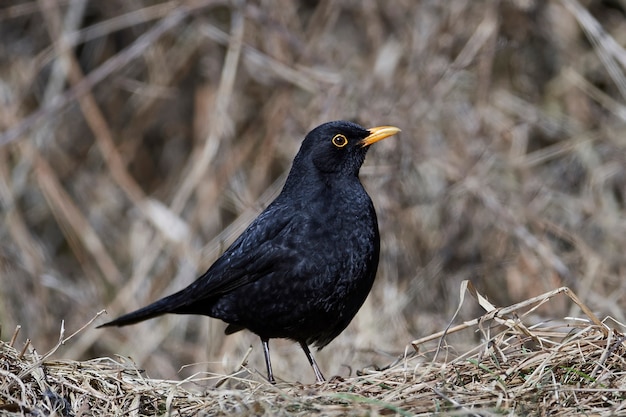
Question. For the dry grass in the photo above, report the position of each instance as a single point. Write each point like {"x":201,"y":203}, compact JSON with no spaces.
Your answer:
{"x":138,"y":138}
{"x":563,"y":368}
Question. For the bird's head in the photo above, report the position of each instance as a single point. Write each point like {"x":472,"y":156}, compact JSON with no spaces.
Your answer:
{"x":339,"y":147}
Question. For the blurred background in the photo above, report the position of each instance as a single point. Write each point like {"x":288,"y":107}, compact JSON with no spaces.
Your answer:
{"x":139,"y":138}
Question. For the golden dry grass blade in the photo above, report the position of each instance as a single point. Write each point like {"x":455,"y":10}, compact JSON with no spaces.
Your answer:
{"x":500,"y":314}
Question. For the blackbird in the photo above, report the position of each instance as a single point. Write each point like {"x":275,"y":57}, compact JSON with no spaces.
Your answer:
{"x":305,"y":265}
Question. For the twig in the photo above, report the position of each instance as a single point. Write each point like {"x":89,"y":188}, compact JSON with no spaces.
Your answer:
{"x":14,"y":337}
{"x":95,"y":77}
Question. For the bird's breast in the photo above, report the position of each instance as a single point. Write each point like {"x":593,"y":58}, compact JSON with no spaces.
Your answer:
{"x":345,"y":238}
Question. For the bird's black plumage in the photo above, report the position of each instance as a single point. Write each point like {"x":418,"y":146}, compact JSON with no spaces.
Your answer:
{"x":305,"y":265}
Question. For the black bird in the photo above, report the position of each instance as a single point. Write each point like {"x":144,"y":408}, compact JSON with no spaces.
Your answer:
{"x":305,"y":265}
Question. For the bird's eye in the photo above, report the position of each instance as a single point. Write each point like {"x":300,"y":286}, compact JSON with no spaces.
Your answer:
{"x":340,"y":141}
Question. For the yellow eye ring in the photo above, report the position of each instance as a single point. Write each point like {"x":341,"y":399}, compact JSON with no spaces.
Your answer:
{"x":340,"y":141}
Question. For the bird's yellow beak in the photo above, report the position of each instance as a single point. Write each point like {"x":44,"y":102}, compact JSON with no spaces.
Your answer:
{"x":379,"y":133}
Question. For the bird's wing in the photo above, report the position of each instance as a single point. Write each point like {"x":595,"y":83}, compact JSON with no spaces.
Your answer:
{"x":261,"y":248}
{"x":265,"y":245}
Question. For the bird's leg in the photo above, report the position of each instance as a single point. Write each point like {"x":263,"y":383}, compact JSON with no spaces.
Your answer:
{"x":268,"y":363}
{"x":316,"y":369}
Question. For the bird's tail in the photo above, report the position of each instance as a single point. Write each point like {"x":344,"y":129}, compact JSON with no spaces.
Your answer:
{"x":169,"y":304}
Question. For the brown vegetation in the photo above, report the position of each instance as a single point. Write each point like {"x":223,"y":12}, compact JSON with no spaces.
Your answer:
{"x":139,"y":138}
